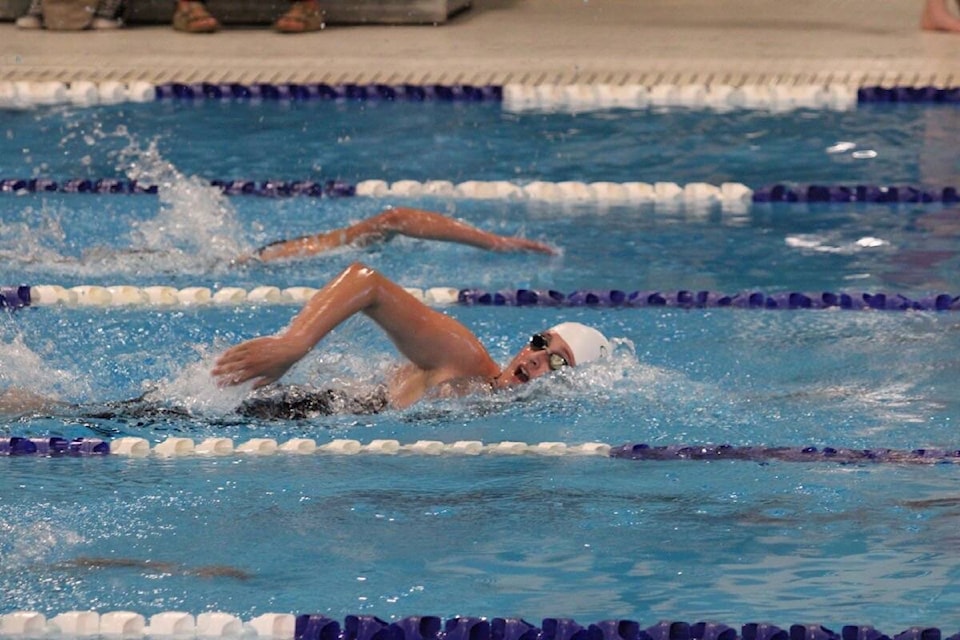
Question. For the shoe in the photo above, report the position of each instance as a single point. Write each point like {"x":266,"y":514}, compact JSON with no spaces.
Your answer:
{"x":192,"y":16}
{"x":29,"y":22}
{"x":105,"y":24}
{"x":303,"y":16}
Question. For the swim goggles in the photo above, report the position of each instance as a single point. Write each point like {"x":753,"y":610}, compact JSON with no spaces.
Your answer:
{"x":540,"y":342}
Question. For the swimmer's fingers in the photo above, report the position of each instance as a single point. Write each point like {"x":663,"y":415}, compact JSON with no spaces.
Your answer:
{"x":263,"y":360}
{"x":541,"y":247}
{"x":523,"y":244}
{"x":245,"y":259}
{"x":506,"y":243}
{"x":231,"y":373}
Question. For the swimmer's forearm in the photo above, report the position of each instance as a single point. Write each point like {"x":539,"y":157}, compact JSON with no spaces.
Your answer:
{"x":427,"y":225}
{"x":414,"y":223}
{"x":303,"y":246}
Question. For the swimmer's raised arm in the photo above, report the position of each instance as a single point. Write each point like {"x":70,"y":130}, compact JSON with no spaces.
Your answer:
{"x":438,"y":346}
{"x":415,"y":223}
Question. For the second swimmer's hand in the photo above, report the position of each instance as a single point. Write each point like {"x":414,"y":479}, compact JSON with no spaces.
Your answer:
{"x":263,"y":360}
{"x":522,"y":244}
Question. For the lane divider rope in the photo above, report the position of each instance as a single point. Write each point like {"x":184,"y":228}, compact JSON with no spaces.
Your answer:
{"x":286,"y":626}
{"x":20,"y":296}
{"x":513,"y":96}
{"x":565,"y":191}
{"x":175,"y":446}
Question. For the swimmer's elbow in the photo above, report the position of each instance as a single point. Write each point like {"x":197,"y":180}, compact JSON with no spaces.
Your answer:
{"x":360,"y":277}
{"x":359,"y":270}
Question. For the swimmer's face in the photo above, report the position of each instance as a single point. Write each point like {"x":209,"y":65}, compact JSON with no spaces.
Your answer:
{"x":546,"y":352}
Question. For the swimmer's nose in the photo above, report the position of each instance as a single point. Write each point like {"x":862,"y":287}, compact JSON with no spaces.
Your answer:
{"x":537,"y":363}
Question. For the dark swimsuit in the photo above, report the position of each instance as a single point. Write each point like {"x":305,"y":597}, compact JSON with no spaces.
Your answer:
{"x":288,"y":402}
{"x":296,"y":403}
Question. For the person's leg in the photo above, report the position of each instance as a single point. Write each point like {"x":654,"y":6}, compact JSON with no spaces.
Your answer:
{"x":191,"y":16}
{"x":301,"y":17}
{"x":937,"y":17}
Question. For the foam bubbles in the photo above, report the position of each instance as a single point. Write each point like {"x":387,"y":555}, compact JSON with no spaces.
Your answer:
{"x":195,"y":390}
{"x":25,"y":369}
{"x":195,"y":219}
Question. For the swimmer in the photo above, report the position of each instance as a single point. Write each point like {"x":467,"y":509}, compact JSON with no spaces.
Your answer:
{"x":286,"y":402}
{"x":444,"y":357}
{"x":205,"y":571}
{"x":403,"y":221}
{"x":937,"y":17}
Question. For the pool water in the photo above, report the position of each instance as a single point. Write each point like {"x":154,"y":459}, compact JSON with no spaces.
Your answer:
{"x":590,"y":538}
{"x":352,"y":141}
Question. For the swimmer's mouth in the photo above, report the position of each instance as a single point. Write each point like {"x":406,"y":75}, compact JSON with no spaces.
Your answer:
{"x":521,"y":374}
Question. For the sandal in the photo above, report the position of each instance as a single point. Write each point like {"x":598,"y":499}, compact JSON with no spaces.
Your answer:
{"x":192,"y":16}
{"x":303,"y":16}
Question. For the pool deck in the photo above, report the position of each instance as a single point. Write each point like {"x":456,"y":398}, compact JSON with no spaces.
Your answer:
{"x":527,"y":41}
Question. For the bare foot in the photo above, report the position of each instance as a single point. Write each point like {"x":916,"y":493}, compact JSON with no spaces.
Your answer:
{"x":937,"y":17}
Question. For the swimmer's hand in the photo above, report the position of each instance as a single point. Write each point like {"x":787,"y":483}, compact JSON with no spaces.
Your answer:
{"x":243,"y":260}
{"x":263,"y":360}
{"x":504,"y":243}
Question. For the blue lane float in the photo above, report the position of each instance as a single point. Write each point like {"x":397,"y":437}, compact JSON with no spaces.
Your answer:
{"x":266,"y":188}
{"x":323,"y":91}
{"x":14,"y":297}
{"x":53,"y":446}
{"x":366,"y":627}
{"x":914,"y":95}
{"x":864,"y":193}
{"x":839,"y":455}
{"x":795,"y":300}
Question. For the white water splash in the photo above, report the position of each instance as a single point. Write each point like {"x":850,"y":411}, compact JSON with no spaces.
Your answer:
{"x":195,"y":229}
{"x":38,"y":238}
{"x":22,"y":368}
{"x":195,"y":218}
{"x":831,"y":244}
{"x":197,"y":391}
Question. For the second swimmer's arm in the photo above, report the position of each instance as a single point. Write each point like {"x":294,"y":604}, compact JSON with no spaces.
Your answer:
{"x":415,"y":223}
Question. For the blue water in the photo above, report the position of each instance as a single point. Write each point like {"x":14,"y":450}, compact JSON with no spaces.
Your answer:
{"x":588,"y":538}
{"x":455,"y":141}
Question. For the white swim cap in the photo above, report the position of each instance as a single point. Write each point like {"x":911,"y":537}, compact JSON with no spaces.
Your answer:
{"x":586,"y":343}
